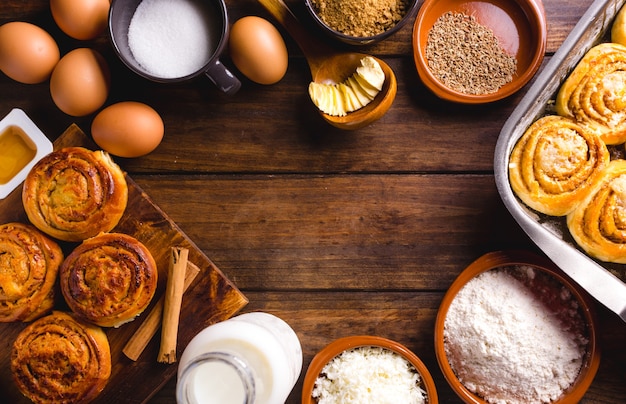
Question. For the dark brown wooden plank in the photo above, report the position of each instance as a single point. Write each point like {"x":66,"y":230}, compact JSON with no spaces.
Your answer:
{"x":255,"y":131}
{"x":339,"y":231}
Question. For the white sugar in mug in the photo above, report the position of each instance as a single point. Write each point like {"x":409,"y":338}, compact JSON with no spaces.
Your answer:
{"x":172,"y":41}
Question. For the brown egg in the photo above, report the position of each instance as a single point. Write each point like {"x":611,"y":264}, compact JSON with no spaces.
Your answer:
{"x":27,"y":52}
{"x":80,"y":82}
{"x":127,"y":129}
{"x":81,"y":19}
{"x":258,"y":50}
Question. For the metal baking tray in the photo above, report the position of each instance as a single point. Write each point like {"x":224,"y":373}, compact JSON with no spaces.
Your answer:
{"x":603,"y":281}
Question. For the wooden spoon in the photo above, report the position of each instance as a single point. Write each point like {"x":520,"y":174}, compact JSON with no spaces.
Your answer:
{"x":332,"y":67}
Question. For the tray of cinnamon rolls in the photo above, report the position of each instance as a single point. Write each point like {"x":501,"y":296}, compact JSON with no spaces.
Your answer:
{"x":560,"y":159}
{"x":84,"y":256}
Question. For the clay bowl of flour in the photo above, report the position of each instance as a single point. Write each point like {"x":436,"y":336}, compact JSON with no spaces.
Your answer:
{"x":506,"y":38}
{"x":368,"y":369}
{"x":513,"y":328}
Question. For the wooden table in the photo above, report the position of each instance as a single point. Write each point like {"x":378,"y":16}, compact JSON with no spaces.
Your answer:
{"x":339,"y":233}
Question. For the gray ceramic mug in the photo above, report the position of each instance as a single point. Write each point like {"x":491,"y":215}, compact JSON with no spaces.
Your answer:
{"x":168,"y":45}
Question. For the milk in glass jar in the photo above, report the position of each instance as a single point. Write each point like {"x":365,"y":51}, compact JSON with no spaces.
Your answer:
{"x":251,"y":358}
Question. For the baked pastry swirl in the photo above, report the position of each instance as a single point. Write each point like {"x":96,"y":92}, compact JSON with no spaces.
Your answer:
{"x":554,"y":164}
{"x":594,"y":93}
{"x":58,"y":359}
{"x":75,"y":193}
{"x":29,"y":264}
{"x":109,"y":279}
{"x":598,"y":224}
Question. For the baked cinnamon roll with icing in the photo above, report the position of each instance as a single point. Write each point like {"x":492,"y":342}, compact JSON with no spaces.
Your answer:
{"x":59,"y":359}
{"x":109,"y":279}
{"x":75,"y":193}
{"x":594,"y":93}
{"x":598,"y":224}
{"x":555,"y":163}
{"x":29,"y":264}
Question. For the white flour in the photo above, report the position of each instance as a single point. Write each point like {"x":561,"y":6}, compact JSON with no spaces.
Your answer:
{"x":170,"y":38}
{"x":507,"y":346}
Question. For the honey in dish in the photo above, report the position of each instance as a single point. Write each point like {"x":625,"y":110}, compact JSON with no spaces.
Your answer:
{"x":15,"y":152}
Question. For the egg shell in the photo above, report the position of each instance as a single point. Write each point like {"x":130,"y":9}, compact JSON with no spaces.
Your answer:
{"x":28,"y":53}
{"x":128,"y":129}
{"x":81,"y":19}
{"x":258,"y":50}
{"x":80,"y":82}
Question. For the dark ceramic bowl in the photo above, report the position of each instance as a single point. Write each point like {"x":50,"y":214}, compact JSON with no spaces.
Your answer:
{"x":341,"y":37}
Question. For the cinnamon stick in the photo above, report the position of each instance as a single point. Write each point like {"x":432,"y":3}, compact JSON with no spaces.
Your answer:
{"x":171,"y":306}
{"x":140,"y":339}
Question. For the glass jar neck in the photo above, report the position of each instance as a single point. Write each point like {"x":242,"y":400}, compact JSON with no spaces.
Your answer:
{"x":216,"y":377}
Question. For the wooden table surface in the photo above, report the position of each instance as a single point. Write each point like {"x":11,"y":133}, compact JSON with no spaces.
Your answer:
{"x":338,"y":233}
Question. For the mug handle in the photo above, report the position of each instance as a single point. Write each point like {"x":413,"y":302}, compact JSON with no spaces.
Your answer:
{"x":223,"y":78}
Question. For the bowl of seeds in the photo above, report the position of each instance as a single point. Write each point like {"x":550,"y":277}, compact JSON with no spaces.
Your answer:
{"x":475,"y":51}
{"x":360,"y":22}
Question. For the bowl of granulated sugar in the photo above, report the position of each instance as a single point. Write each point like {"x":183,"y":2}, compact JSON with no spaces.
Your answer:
{"x":478,"y":51}
{"x":513,"y":328}
{"x":360,"y":22}
{"x":367,"y":369}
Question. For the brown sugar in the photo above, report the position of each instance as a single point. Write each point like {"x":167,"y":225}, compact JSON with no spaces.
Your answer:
{"x":361,"y":18}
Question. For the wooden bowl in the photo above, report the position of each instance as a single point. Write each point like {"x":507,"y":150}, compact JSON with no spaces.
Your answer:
{"x":343,"y":344}
{"x":499,"y":259}
{"x":519,"y":25}
{"x":360,"y":40}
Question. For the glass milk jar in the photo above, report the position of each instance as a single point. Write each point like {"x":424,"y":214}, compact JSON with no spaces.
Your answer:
{"x":251,"y":358}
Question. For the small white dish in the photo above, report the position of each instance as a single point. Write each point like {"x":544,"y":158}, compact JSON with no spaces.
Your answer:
{"x":33,"y":139}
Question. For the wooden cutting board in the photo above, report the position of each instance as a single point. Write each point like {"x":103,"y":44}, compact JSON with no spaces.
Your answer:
{"x":209,"y":299}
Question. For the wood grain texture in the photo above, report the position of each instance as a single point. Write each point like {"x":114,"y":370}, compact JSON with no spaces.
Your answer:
{"x":337,"y":233}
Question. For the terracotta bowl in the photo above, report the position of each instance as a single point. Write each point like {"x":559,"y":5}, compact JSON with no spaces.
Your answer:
{"x":357,"y":40}
{"x":519,"y":25}
{"x":343,"y":344}
{"x":499,"y":259}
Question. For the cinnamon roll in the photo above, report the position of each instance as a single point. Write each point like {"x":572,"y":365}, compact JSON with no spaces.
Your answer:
{"x":598,"y":224}
{"x":554,"y":164}
{"x":59,"y":359}
{"x":29,"y":263}
{"x":594,"y":93}
{"x":618,"y":28}
{"x":109,"y":279}
{"x":75,"y":193}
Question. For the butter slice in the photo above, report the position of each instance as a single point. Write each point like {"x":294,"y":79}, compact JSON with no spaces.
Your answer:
{"x":354,"y":93}
{"x":371,"y":71}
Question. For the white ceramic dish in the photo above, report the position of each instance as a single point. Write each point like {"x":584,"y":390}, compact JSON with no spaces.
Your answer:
{"x":34,"y":138}
{"x":550,"y":234}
